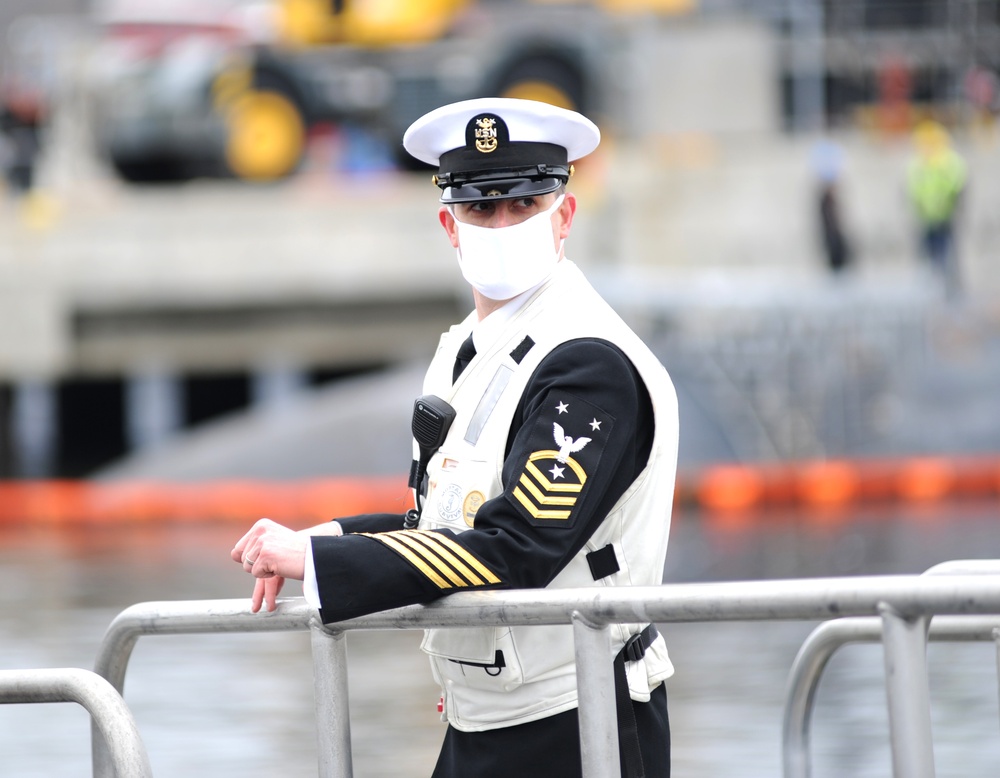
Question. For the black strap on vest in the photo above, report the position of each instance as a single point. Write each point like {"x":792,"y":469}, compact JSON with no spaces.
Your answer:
{"x":521,"y":350}
{"x":628,"y":732}
{"x":603,"y":562}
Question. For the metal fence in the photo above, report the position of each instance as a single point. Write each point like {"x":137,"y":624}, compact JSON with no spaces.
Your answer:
{"x":832,"y":635}
{"x":112,"y":719}
{"x":818,"y":649}
{"x":903,"y":605}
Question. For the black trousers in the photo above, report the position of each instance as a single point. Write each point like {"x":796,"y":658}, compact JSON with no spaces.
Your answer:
{"x":550,"y":747}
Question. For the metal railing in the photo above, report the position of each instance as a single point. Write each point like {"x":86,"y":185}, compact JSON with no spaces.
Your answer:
{"x":902,"y":603}
{"x":112,"y":719}
{"x":827,"y":638}
{"x":818,"y":649}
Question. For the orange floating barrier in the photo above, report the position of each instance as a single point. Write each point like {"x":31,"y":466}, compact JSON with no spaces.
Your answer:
{"x":976,"y":477}
{"x":757,"y":488}
{"x":827,"y":483}
{"x":925,"y":479}
{"x":730,"y":487}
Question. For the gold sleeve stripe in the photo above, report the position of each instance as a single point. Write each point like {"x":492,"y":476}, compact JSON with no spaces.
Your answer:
{"x":446,"y":544}
{"x":412,"y":558}
{"x":433,"y":560}
{"x":438,"y":548}
{"x":535,"y":511}
{"x":542,"y":498}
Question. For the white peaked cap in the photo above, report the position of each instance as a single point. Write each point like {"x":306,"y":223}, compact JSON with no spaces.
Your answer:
{"x":443,"y":129}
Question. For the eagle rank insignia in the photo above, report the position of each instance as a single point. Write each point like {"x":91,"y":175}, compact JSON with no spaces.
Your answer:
{"x":568,"y":439}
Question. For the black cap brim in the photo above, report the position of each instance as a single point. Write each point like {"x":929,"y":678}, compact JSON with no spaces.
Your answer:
{"x":502,"y":189}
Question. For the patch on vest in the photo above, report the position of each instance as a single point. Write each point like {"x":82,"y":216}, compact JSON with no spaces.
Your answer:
{"x":471,"y":505}
{"x":566,"y":446}
{"x":450,"y":503}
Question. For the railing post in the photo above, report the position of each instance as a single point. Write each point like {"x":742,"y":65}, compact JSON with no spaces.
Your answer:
{"x":905,"y":642}
{"x":996,"y":643}
{"x":112,"y":662}
{"x":804,"y":680}
{"x":111,"y":719}
{"x":595,"y":683}
{"x":333,"y":719}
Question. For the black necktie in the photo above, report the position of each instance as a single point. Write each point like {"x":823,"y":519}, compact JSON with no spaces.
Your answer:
{"x":465,"y":354}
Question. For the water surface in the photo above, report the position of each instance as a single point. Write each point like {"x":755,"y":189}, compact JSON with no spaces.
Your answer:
{"x":233,"y":705}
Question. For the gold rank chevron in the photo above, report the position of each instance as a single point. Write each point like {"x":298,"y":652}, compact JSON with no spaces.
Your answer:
{"x":539,"y":491}
{"x":443,"y":561}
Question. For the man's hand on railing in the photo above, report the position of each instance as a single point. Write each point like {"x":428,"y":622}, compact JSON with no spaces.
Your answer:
{"x":271,"y":553}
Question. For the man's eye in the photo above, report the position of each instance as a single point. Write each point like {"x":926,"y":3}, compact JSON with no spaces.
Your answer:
{"x":525,"y":202}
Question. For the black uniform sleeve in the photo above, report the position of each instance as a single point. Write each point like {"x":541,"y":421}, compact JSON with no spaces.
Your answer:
{"x":581,"y":434}
{"x":371,"y":522}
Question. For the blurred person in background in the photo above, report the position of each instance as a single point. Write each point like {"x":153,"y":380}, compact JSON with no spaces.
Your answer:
{"x":828,"y":162}
{"x":557,"y":470}
{"x":23,"y":128}
{"x":936,"y":180}
{"x":20,"y":125}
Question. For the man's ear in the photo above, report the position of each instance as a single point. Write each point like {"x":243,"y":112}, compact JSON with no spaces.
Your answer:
{"x":448,"y":222}
{"x":565,"y":213}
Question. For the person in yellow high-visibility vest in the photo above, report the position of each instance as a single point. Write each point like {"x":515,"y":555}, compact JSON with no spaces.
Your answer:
{"x":936,"y":180}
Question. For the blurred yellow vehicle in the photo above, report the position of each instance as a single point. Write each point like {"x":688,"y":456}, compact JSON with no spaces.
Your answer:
{"x":235,"y":87}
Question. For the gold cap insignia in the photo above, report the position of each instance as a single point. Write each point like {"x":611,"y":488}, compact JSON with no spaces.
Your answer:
{"x":486,"y":134}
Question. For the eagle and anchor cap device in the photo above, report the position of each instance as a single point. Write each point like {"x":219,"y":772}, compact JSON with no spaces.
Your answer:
{"x":496,"y":147}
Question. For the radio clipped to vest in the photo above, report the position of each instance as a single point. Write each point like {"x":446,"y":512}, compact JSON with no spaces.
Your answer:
{"x":432,"y":418}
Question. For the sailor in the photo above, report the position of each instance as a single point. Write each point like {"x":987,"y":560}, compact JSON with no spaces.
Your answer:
{"x":557,"y":469}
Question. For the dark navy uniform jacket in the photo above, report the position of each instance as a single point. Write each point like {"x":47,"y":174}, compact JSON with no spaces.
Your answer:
{"x":357,"y":575}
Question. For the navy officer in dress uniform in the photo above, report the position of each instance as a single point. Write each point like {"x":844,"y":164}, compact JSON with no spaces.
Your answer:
{"x":557,"y":469}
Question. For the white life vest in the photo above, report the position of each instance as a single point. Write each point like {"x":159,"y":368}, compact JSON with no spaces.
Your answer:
{"x":539,"y":676}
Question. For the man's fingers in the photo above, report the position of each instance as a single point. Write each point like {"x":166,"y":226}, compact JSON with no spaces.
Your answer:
{"x":258,"y":595}
{"x":272,"y":588}
{"x":239,"y":550}
{"x":244,"y":546}
{"x":265,"y":593}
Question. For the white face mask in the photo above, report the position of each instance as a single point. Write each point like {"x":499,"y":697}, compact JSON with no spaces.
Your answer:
{"x":503,"y":262}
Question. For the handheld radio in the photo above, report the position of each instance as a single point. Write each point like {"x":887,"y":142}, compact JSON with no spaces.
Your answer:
{"x":432,"y":418}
